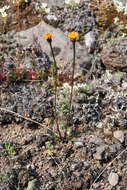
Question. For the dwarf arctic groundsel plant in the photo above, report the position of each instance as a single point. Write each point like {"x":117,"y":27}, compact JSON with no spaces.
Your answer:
{"x":73,"y":37}
{"x":48,"y":37}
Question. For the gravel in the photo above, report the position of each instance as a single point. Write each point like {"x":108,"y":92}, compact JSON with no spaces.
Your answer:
{"x":99,"y":117}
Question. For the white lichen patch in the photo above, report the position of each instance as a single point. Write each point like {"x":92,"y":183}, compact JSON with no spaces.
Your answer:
{"x":121,"y":5}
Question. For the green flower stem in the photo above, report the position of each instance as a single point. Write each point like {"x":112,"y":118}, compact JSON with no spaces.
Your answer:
{"x":72,"y":88}
{"x":72,"y":79}
{"x":55,"y":85}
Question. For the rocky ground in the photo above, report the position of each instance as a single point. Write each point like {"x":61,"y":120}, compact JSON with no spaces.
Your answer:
{"x":94,"y":156}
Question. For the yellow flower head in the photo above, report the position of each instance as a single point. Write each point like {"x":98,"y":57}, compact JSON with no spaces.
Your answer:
{"x":48,"y":36}
{"x":73,"y":35}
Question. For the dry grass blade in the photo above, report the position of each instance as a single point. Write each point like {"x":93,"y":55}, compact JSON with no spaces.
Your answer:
{"x":107,"y":167}
{"x":18,"y":115}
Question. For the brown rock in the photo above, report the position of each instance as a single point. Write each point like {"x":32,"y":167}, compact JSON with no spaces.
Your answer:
{"x":114,"y":54}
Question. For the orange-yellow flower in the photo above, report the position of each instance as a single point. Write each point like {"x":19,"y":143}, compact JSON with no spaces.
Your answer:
{"x":73,"y":35}
{"x":48,"y":36}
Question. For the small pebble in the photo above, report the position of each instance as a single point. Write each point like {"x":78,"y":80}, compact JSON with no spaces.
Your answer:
{"x":119,"y":135}
{"x":107,"y":132}
{"x":79,"y":144}
{"x":113,"y":178}
{"x":86,"y":165}
{"x":96,"y":140}
{"x":100,"y":152}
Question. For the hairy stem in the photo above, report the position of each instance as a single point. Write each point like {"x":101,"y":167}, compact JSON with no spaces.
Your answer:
{"x":72,"y":87}
{"x":55,"y":85}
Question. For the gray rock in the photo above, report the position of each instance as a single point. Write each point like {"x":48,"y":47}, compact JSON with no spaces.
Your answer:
{"x":99,"y":155}
{"x":90,"y":41}
{"x":86,"y":165}
{"x":96,"y":141}
{"x":29,"y":139}
{"x":61,"y":44}
{"x":113,"y":178}
{"x":119,"y":134}
{"x":79,"y":144}
{"x":115,"y":147}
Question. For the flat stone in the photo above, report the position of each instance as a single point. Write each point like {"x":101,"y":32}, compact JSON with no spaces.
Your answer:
{"x":100,"y":152}
{"x":113,"y":178}
{"x":119,"y":134}
{"x":79,"y":144}
{"x":96,"y":140}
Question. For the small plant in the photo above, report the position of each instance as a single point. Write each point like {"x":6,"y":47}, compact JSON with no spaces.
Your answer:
{"x":48,"y":37}
{"x":86,"y":88}
{"x":31,"y":185}
{"x":49,"y":147}
{"x":9,"y":148}
{"x":65,"y":107}
{"x":72,"y":36}
{"x":17,"y":187}
{"x":3,"y":177}
{"x":42,"y":7}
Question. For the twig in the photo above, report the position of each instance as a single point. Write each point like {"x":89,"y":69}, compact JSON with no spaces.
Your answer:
{"x":107,"y":168}
{"x":90,"y":72}
{"x":23,"y":117}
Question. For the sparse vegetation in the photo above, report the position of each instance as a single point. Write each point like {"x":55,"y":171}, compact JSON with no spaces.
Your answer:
{"x":63,"y":104}
{"x":9,"y":148}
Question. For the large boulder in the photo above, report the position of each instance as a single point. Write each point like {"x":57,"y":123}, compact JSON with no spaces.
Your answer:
{"x":61,"y":44}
